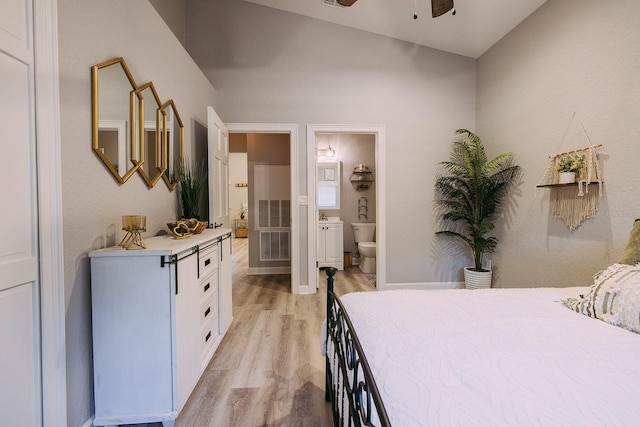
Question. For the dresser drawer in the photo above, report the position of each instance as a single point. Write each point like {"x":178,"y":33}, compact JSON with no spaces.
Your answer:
{"x":208,"y":309}
{"x":208,"y":337}
{"x":208,"y":261}
{"x":208,"y":286}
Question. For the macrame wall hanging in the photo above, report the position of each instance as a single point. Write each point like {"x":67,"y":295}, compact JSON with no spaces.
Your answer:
{"x":571,"y":201}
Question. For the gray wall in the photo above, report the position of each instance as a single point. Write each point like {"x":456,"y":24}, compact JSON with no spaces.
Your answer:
{"x":579,"y":56}
{"x":174,"y":14}
{"x":273,"y":66}
{"x":90,"y":32}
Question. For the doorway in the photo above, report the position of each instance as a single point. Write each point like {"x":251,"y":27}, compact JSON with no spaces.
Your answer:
{"x":318,"y":135}
{"x":275,"y":220}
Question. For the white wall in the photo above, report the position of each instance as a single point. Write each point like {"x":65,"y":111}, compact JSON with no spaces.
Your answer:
{"x":579,"y":56}
{"x":274,"y":66}
{"x":90,"y":32}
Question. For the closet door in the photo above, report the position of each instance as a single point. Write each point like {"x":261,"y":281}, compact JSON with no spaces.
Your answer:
{"x":20,"y":387}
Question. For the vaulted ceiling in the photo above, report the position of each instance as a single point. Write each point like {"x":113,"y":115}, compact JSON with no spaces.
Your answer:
{"x":476,"y":26}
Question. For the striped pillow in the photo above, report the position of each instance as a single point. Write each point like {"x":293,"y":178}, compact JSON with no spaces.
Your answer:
{"x":602,"y":302}
{"x":627,"y":310}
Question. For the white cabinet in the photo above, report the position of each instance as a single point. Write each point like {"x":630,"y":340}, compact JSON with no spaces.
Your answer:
{"x":157,"y":318}
{"x":330,"y":244}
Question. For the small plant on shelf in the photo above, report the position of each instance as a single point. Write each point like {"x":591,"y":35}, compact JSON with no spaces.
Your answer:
{"x":570,"y":164}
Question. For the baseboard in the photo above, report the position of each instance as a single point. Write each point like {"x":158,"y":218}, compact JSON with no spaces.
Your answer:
{"x":425,"y":286}
{"x":256,"y":271}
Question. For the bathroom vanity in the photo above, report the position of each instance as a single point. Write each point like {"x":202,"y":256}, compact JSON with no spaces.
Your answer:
{"x":158,"y":316}
{"x":330,"y":243}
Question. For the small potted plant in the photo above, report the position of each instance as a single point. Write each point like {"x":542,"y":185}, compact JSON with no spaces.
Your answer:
{"x":567,"y":168}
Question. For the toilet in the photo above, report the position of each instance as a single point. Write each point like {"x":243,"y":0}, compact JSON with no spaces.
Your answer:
{"x":364,"y":233}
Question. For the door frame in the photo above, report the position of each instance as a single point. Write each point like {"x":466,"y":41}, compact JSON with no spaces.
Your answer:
{"x":378,"y":131}
{"x":292,"y":130}
{"x":49,"y":166}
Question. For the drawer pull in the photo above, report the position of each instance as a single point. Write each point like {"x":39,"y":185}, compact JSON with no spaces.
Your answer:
{"x":206,"y":287}
{"x":207,"y":311}
{"x":207,"y":337}
{"x":207,"y":261}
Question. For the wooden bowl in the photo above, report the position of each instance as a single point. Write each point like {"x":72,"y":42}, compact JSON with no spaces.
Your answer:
{"x":195,"y":226}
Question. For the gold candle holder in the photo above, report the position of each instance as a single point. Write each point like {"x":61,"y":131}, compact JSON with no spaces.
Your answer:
{"x":133,"y":225}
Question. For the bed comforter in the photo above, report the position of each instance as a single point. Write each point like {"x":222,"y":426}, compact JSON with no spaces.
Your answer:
{"x":496,"y":357}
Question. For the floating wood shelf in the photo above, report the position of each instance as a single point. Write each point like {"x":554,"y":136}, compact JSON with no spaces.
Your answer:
{"x":563,"y":185}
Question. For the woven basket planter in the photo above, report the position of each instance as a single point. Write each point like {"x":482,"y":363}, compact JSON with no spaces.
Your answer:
{"x":477,"y":279}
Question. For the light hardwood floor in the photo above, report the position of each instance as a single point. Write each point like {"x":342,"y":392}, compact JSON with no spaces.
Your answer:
{"x":268,"y":370}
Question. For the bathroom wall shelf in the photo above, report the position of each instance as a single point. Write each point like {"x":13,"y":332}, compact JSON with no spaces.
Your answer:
{"x":362,"y":177}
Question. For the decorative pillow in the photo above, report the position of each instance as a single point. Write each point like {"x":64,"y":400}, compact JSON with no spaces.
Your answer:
{"x":631,"y":253}
{"x":627,"y":312}
{"x":602,"y":302}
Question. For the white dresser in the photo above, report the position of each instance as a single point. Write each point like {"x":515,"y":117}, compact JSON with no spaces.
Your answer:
{"x":158,"y":316}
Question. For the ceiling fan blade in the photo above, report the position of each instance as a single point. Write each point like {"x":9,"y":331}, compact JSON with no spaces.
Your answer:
{"x":440,"y":7}
{"x":346,"y":3}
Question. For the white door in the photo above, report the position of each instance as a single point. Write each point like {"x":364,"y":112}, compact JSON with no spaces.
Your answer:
{"x":20,"y":385}
{"x":218,"y":136}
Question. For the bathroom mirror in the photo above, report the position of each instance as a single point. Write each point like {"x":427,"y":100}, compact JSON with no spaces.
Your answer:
{"x":146,"y":104}
{"x":328,"y":188}
{"x":172,"y":135}
{"x":112,"y":139}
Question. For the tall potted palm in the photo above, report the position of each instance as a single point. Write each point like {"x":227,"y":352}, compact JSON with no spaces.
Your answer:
{"x":468,"y":196}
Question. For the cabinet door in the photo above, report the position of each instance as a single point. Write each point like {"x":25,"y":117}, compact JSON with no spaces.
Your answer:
{"x":187,"y":328}
{"x":333,"y":244}
{"x":133,"y":344}
{"x":225,"y":295}
{"x":321,"y":243}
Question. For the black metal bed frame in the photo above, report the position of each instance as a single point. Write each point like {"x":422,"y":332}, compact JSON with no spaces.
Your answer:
{"x":349,"y":386}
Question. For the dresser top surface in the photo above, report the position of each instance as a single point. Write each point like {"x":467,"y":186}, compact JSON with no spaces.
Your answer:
{"x":165,"y":245}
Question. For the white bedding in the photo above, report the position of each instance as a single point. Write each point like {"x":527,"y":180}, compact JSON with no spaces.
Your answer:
{"x":496,"y":357}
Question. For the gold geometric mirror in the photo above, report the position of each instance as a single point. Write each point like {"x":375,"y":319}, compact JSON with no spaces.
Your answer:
{"x":146,"y":109}
{"x":172,"y":134}
{"x":112,"y":139}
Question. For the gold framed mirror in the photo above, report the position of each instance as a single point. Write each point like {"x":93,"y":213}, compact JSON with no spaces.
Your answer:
{"x":112,"y":118}
{"x":147,"y":118}
{"x":172,"y":134}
